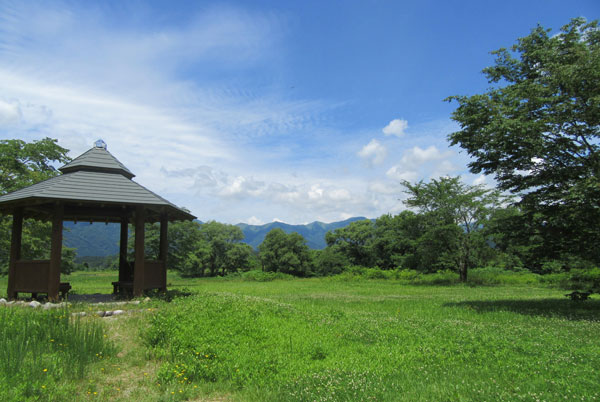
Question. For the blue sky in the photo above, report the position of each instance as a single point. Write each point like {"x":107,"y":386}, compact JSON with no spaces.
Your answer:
{"x":261,"y":110}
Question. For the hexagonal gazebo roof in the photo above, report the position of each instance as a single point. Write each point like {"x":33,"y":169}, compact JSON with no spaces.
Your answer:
{"x":94,"y":186}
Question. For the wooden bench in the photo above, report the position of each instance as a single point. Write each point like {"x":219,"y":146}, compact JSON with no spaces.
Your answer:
{"x":122,"y":286}
{"x":63,"y":289}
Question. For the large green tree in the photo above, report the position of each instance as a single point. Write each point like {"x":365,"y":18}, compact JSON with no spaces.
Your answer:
{"x":23,"y":164}
{"x":287,"y":253}
{"x":355,"y":241}
{"x":537,"y":130}
{"x":455,"y":213}
{"x":196,"y":249}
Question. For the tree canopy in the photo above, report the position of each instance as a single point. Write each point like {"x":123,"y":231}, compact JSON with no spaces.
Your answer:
{"x":537,"y":131}
{"x":456,"y":213}
{"x":287,"y":253}
{"x":23,"y":164}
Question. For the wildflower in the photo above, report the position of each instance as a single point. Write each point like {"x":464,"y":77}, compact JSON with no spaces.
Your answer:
{"x":45,"y":370}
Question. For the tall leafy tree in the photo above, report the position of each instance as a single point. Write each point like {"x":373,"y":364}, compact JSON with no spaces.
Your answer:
{"x":395,"y":240}
{"x":221,"y":238}
{"x":355,"y":241}
{"x":537,"y":130}
{"x":456,"y":213}
{"x":287,"y":253}
{"x":23,"y":164}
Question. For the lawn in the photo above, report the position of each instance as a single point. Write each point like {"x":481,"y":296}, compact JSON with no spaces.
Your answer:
{"x":331,"y":339}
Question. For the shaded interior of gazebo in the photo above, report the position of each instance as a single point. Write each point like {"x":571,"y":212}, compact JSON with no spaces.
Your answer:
{"x":94,"y":187}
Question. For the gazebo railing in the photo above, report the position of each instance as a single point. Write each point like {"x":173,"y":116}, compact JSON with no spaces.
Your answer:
{"x":31,"y":276}
{"x":154,"y":274}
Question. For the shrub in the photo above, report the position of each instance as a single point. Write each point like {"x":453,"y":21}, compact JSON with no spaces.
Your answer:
{"x":262,"y":276}
{"x":497,"y":276}
{"x":585,"y":279}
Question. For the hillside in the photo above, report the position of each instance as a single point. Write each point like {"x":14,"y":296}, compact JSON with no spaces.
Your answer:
{"x":314,"y":232}
{"x":99,"y":239}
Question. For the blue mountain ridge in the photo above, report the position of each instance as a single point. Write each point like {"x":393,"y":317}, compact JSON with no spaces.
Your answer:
{"x":102,"y":240}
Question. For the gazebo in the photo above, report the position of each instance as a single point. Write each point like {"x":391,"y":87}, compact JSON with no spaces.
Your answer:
{"x":94,"y":187}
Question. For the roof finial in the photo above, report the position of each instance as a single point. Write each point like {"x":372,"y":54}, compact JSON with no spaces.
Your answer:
{"x":100,"y":144}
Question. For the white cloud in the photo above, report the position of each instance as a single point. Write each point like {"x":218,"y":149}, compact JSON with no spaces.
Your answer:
{"x":396,"y":127}
{"x":387,"y":188}
{"x":418,"y":156}
{"x":9,"y":114}
{"x":479,"y":180}
{"x":399,"y":174}
{"x":253,"y":220}
{"x":373,"y":153}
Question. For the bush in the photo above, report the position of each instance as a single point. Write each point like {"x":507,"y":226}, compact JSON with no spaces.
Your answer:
{"x":497,"y":276}
{"x":262,"y":276}
{"x":407,"y":275}
{"x":585,"y":279}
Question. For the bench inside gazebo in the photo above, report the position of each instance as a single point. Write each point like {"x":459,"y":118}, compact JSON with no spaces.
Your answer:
{"x":94,"y":187}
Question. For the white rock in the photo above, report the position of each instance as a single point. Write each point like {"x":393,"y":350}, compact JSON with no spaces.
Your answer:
{"x":107,"y":313}
{"x":118,"y":312}
{"x":80,"y":314}
{"x":146,"y":300}
{"x":3,"y":301}
{"x":34,"y":304}
{"x":135,"y":302}
{"x":47,"y":306}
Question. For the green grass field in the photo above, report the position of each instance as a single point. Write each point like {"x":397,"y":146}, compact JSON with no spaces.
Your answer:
{"x":331,"y":339}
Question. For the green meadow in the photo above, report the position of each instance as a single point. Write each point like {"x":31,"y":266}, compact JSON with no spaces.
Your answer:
{"x":319,"y":339}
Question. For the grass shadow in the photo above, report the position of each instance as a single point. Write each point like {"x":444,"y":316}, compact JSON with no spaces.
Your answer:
{"x":588,"y":310}
{"x":168,"y":295}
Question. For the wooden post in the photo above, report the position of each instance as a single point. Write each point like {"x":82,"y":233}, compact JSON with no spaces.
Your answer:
{"x":15,"y":250}
{"x":124,"y":274}
{"x":163,"y":249}
{"x":138,"y":268}
{"x":55,"y":252}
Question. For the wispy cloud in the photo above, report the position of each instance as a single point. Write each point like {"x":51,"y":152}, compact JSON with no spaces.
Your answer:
{"x":193,"y":108}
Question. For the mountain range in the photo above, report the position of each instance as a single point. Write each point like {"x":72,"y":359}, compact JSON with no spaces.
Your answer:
{"x":100,"y":239}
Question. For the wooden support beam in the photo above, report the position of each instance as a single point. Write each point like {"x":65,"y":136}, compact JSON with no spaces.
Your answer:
{"x":55,"y":252}
{"x":138,"y":269}
{"x":164,"y":248}
{"x":124,"y":274}
{"x":15,"y":250}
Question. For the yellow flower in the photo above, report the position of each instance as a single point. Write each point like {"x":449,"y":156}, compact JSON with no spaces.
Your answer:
{"x":45,"y":370}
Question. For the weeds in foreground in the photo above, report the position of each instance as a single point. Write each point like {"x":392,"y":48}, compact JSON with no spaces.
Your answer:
{"x":42,"y":351}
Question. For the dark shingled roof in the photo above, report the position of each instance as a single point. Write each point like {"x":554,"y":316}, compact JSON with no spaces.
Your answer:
{"x":94,"y":177}
{"x":99,"y":159}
